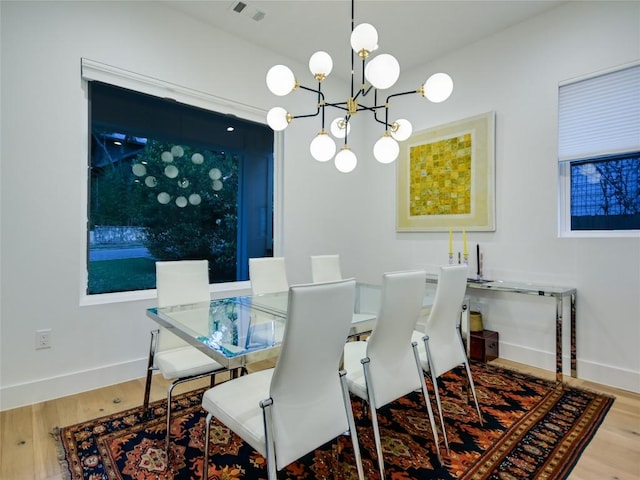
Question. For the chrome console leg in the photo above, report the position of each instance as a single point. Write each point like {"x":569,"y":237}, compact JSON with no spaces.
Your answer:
{"x":559,"y":306}
{"x":574,"y":361}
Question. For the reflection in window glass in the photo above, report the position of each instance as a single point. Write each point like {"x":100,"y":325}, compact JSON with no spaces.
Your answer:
{"x":605,"y":193}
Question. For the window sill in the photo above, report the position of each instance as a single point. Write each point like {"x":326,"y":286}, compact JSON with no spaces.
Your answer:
{"x":601,"y":234}
{"x":218,"y":290}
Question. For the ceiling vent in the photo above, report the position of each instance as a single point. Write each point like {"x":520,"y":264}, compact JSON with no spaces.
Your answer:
{"x":238,"y":7}
{"x":247,"y":10}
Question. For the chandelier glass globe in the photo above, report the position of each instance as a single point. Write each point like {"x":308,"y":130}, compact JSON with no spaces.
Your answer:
{"x":383,"y":71}
{"x":364,"y":38}
{"x":401,"y":129}
{"x":339,"y":127}
{"x":280,"y":80}
{"x":345,"y":160}
{"x":438,"y":87}
{"x":322,"y":147}
{"x":277,"y":119}
{"x":386,"y":149}
{"x":320,"y":65}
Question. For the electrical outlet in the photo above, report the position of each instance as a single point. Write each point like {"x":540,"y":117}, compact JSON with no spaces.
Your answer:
{"x":43,"y":338}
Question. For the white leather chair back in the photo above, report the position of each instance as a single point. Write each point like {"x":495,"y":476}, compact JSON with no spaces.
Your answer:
{"x":444,"y":318}
{"x":268,"y":275}
{"x":308,"y":406}
{"x":393,"y":365}
{"x":179,"y":283}
{"x":325,"y":268}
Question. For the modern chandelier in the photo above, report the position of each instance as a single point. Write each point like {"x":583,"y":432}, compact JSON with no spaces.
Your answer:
{"x":378,"y":73}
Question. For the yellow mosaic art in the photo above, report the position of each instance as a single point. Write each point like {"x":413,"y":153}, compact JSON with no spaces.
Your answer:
{"x":440,"y":177}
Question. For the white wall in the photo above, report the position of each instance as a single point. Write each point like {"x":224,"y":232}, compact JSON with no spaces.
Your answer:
{"x":516,"y":74}
{"x":44,"y":151}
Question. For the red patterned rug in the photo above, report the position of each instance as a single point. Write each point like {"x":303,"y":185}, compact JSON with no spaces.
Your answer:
{"x":532,"y":430}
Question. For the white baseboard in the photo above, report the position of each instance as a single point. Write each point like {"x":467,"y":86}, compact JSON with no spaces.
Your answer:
{"x":13,"y":396}
{"x":595,"y":372}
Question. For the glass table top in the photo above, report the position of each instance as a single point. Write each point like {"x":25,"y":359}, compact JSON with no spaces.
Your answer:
{"x":231,"y":327}
{"x":235,"y":327}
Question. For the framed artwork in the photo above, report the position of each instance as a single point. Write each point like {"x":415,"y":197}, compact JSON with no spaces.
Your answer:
{"x":446,"y":177}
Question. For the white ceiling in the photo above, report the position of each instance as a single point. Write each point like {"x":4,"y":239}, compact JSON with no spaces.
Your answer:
{"x":414,"y":31}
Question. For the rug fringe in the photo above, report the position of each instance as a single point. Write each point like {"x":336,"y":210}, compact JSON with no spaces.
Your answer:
{"x":61,"y":454}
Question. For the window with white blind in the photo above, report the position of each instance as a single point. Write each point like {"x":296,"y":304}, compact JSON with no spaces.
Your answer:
{"x":599,"y":152}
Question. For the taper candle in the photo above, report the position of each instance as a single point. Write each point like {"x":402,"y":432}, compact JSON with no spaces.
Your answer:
{"x":451,"y":241}
{"x":465,"y":250}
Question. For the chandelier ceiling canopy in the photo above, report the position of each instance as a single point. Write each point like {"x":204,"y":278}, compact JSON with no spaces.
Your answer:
{"x":378,"y":72}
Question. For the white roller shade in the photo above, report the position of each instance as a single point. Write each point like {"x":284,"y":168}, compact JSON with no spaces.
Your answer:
{"x":599,"y":115}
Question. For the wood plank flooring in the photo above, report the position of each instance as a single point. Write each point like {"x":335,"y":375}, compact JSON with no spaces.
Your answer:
{"x":28,"y":447}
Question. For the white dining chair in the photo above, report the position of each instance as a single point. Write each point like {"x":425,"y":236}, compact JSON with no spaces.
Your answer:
{"x":178,"y":283}
{"x":268,"y":275}
{"x":290,"y":410}
{"x":325,"y":268}
{"x":387,"y":366}
{"x":441,"y":347}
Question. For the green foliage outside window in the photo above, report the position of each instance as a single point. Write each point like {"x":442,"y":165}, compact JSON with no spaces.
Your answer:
{"x":187,"y":200}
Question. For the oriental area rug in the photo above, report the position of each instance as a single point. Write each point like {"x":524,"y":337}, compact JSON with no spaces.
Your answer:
{"x":532,"y":430}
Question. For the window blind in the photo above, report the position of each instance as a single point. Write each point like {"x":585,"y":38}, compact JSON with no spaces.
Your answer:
{"x":92,"y":70}
{"x":599,"y":115}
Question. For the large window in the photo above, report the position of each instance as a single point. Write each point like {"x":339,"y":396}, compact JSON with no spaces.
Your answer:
{"x":599,"y":152}
{"x":169,"y":181}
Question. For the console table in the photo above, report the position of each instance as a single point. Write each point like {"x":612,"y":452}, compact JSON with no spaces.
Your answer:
{"x":557,"y":292}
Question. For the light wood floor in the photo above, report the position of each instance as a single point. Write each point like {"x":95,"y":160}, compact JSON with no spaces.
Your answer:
{"x":28,"y":446}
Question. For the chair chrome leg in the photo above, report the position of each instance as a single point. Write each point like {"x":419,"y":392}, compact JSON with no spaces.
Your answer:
{"x":427,"y":401}
{"x":147,"y":386}
{"x":374,"y":417}
{"x":434,"y":382}
{"x":473,"y":392}
{"x":174,"y":384}
{"x":472,"y":385}
{"x":352,"y":424}
{"x":168,"y":437}
{"x":207,"y":432}
{"x":272,"y":468}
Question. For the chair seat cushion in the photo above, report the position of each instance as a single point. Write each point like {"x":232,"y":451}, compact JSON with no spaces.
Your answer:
{"x":184,"y":362}
{"x":236,"y":404}
{"x":353,"y":353}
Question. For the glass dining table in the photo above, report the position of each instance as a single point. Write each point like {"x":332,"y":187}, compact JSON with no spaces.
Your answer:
{"x":236,"y":331}
{"x":239,"y":330}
